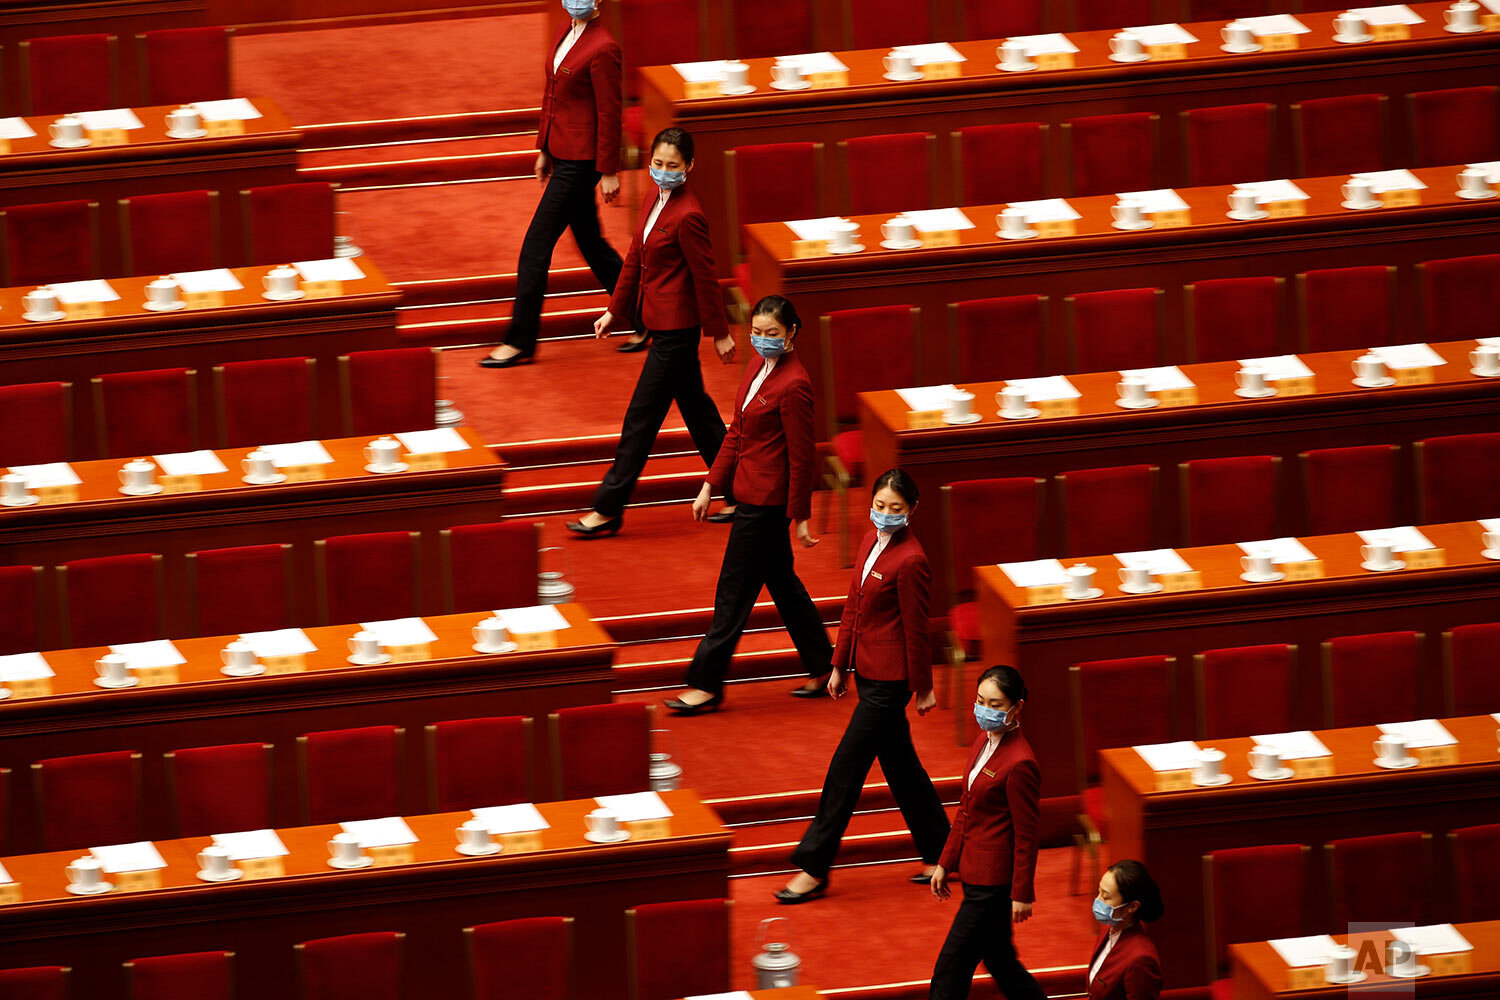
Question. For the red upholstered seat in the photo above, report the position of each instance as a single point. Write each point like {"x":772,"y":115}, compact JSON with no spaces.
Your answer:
{"x":1003,"y":18}
{"x":1112,"y":154}
{"x":964,"y":620}
{"x":1114,"y":330}
{"x":1096,"y":15}
{"x":1458,"y":477}
{"x":182,"y":65}
{"x":269,"y":401}
{"x":1108,"y":510}
{"x":678,"y":948}
{"x":1340,"y":135}
{"x":1473,"y":680}
{"x":288,"y":222}
{"x":1474,"y":850}
{"x":1245,"y":690}
{"x":352,"y":967}
{"x":633,"y":126}
{"x":529,"y":958}
{"x":1229,"y":144}
{"x":112,"y":599}
{"x":221,"y":789}
{"x":20,"y":609}
{"x":849,"y":446}
{"x":176,"y":231}
{"x":36,"y":423}
{"x":41,"y":982}
{"x":91,"y":800}
{"x":1120,"y":703}
{"x":503,"y":745}
{"x":203,"y":975}
{"x":69,"y":73}
{"x":1369,"y":679}
{"x":1000,"y":338}
{"x":760,"y":29}
{"x":57,"y":241}
{"x":1234,"y":318}
{"x":146,"y":413}
{"x":1346,"y":308}
{"x":1462,"y":297}
{"x":868,"y":349}
{"x":879,"y":24}
{"x":243,"y":589}
{"x":1224,"y":10}
{"x":370,"y":577}
{"x":1350,"y":489}
{"x":390,"y":391}
{"x":492,"y":566}
{"x":887,"y":173}
{"x":1001,"y":163}
{"x":1461,"y":125}
{"x":656,"y":33}
{"x":1230,"y":499}
{"x":350,"y":774}
{"x":1385,"y":878}
{"x":987,"y":521}
{"x":1275,"y":876}
{"x":600,"y":750}
{"x":770,"y":183}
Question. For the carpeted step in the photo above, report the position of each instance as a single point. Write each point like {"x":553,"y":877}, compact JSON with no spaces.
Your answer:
{"x":855,"y":849}
{"x":1059,"y":984}
{"x":556,"y":324}
{"x":751,"y":665}
{"x":585,"y":448}
{"x":514,"y":165}
{"x":579,"y":308}
{"x":486,"y":287}
{"x":804,"y":802}
{"x":535,"y":491}
{"x":417,"y":128}
{"x":694,"y":622}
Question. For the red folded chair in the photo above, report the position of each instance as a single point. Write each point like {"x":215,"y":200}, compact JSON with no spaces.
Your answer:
{"x":1346,"y":308}
{"x":65,"y":74}
{"x":986,"y":521}
{"x":1384,"y":879}
{"x":1000,"y":338}
{"x":678,"y":949}
{"x":770,"y":183}
{"x":111,"y":599}
{"x":880,"y":24}
{"x":389,"y":391}
{"x":653,"y":33}
{"x":1458,"y":477}
{"x":1108,"y":510}
{"x":1474,"y":850}
{"x":531,"y":958}
{"x":146,"y":413}
{"x":478,"y":762}
{"x":1112,"y":154}
{"x":1340,"y":135}
{"x":36,"y":423}
{"x":1003,"y":18}
{"x":1096,"y":15}
{"x":176,"y":231}
{"x":92,"y":800}
{"x":350,"y":774}
{"x":1461,"y":125}
{"x":288,"y":222}
{"x":1350,"y":489}
{"x":20,"y":609}
{"x":1276,"y":877}
{"x":1234,"y":318}
{"x":222,"y":789}
{"x":182,"y":65}
{"x":887,"y":173}
{"x":272,"y":401}
{"x":203,"y":975}
{"x":1462,"y":297}
{"x":1370,"y":679}
{"x":1000,"y":163}
{"x":1230,"y":499}
{"x":1473,"y":683}
{"x":759,"y":29}
{"x":1229,"y":144}
{"x":1245,"y":690}
{"x":58,"y":241}
{"x":1225,"y":10}
{"x":487,"y":567}
{"x":352,"y":967}
{"x":247,"y":588}
{"x":600,"y":750}
{"x":1114,"y":330}
{"x":367,"y":578}
{"x":42,"y":982}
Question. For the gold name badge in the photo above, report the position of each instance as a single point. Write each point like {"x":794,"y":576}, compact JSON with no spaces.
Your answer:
{"x":1278,"y":43}
{"x":1389,"y":32}
{"x":941,"y":71}
{"x":1491,"y":22}
{"x":83,"y":310}
{"x":426,"y":461}
{"x":839,"y":78}
{"x":1175,"y":219}
{"x":1436,"y":756}
{"x":156,"y":676}
{"x":1307,"y":977}
{"x":522,"y":842}
{"x":529,"y":642}
{"x":1458,"y":963}
{"x":1179,"y":397}
{"x":414,"y":653}
{"x":923,"y":420}
{"x":255,"y":868}
{"x":1286,"y":209}
{"x":57,"y":494}
{"x":650,"y":829}
{"x":1172,"y":583}
{"x":1053,"y":60}
{"x":303,"y":473}
{"x":1412,"y":376}
{"x":138,"y":881}
{"x":108,"y":136}
{"x":1425,"y":558}
{"x":392,"y":855}
{"x":180,"y":484}
{"x":1049,"y":594}
{"x":1401,"y":199}
{"x":203,"y":300}
{"x":802,"y":249}
{"x":1174,"y":781}
{"x":1056,"y":228}
{"x":231,"y":126}
{"x":697,"y":90}
{"x":37,"y":687}
{"x":1170,"y":50}
{"x":1057,"y":407}
{"x":293,"y":663}
{"x":4,"y":147}
{"x":322,"y":289}
{"x":1311,"y":569}
{"x":1303,"y":386}
{"x":10,"y":892}
{"x":1312,"y":767}
{"x":939,"y":238}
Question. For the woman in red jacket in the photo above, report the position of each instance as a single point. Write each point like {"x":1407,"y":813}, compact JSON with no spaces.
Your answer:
{"x":1124,"y":965}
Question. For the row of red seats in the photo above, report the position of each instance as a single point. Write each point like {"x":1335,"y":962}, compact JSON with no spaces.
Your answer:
{"x":343,"y":775}
{"x":253,"y":403}
{"x":71,"y":73}
{"x":162,"y":233}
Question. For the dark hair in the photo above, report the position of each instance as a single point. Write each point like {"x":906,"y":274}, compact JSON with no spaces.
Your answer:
{"x":1007,"y":679}
{"x":779,"y":309}
{"x":1137,"y":885}
{"x":675,"y":136}
{"x":898,"y":480}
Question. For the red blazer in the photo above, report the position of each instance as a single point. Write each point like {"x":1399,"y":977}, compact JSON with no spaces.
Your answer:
{"x":581,"y":102}
{"x":669,"y":282}
{"x":994,"y":836}
{"x":769,"y":454}
{"x":1130,"y":970}
{"x":884,"y":631}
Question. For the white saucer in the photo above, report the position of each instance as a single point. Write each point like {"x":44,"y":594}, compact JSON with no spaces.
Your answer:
{"x":748,"y":88}
{"x":163,"y":307}
{"x":283,"y":296}
{"x":1470,"y":196}
{"x":778,"y":85}
{"x":1463,"y":31}
{"x":5,"y":693}
{"x":504,"y":647}
{"x":1016,"y":69}
{"x":1491,"y":554}
{"x":1133,"y":227}
{"x":144,"y":491}
{"x":1355,"y":40}
{"x":1116,"y":57}
{"x":196,"y":133}
{"x":1280,"y":775}
{"x":360,"y":662}
{"x":1252,"y":394}
{"x":1353,"y":977}
{"x":1272,"y":578}
{"x":1398,"y":564}
{"x":260,"y":668}
{"x":1355,"y":206}
{"x":1222,"y":779}
{"x":1239,"y":49}
{"x":25,"y":501}
{"x":1374,"y":383}
{"x":477,"y":852}
{"x":1247,"y":216}
{"x":1409,"y":762}
{"x":128,"y":682}
{"x":1093,"y":593}
{"x":364,"y":862}
{"x":1150,"y":588}
{"x":234,"y":874}
{"x":1029,"y":412}
{"x":598,"y":838}
{"x":1476,"y":371}
{"x":1028,"y":235}
{"x":901,"y":79}
{"x":972,"y":418}
{"x":1416,"y":973}
{"x":896,"y":245}
{"x":1138,"y":406}
{"x":856,"y":248}
{"x":97,"y":890}
{"x":70,"y":143}
{"x":44,"y":317}
{"x":279,"y":477}
{"x":398,"y":467}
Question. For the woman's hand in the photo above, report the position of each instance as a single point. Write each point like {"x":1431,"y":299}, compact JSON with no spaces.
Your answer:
{"x":926,"y":701}
{"x":805,"y":535}
{"x":1019,"y":912}
{"x":609,"y":186}
{"x":725,"y":346}
{"x":940,"y":883}
{"x":700,"y":503}
{"x":601,"y":325}
{"x":836,"y":683}
{"x":543,"y":168}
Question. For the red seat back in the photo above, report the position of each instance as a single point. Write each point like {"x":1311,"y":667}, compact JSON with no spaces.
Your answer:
{"x":91,"y":800}
{"x":529,"y":958}
{"x":1245,"y":690}
{"x":1372,"y":678}
{"x":1475,"y":849}
{"x":390,"y":391}
{"x":58,"y":241}
{"x":243,"y":589}
{"x":370,"y":577}
{"x":20,"y":609}
{"x":869,"y":349}
{"x":182,"y":65}
{"x":1096,"y":15}
{"x":887,"y":173}
{"x":657,"y":33}
{"x":222,"y":789}
{"x":1386,"y":878}
{"x":35,"y":423}
{"x":1341,"y":135}
{"x":1236,"y":318}
{"x":1001,"y":338}
{"x":1462,"y":297}
{"x":42,"y":982}
{"x":352,"y":967}
{"x":1108,"y":510}
{"x":288,"y":222}
{"x":1230,"y":499}
{"x":1229,"y":144}
{"x":1346,"y":308}
{"x":1002,"y":163}
{"x":269,"y":401}
{"x":1461,"y":125}
{"x":601,"y":750}
{"x":1275,"y":874}
{"x":1116,"y":329}
{"x":1350,"y":489}
{"x":774,"y":182}
{"x":1224,"y":10}
{"x":879,"y":24}
{"x":759,"y":29}
{"x":204,"y":975}
{"x":113,"y":599}
{"x":1112,"y":154}
{"x":1459,"y":477}
{"x":146,"y":413}
{"x":175,"y":231}
{"x":679,"y":948}
{"x":493,"y":566}
{"x":1120,"y":703}
{"x":1001,"y":20}
{"x":1474,"y":681}
{"x":991,"y":521}
{"x":70,"y":73}
{"x":350,"y":774}
{"x":502,"y":744}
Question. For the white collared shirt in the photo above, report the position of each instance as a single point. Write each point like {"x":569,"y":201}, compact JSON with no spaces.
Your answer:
{"x":566,"y":45}
{"x":985,"y":755}
{"x":882,"y":539}
{"x":661,"y":202}
{"x":760,"y":380}
{"x":1109,"y":942}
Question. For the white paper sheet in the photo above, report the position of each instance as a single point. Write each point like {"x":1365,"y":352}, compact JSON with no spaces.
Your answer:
{"x":1046,"y":387}
{"x":215,"y":279}
{"x":1402,"y":539}
{"x":401,"y":631}
{"x":1279,"y":367}
{"x":152,"y":653}
{"x":1490,"y":523}
{"x":938,"y":220}
{"x":735,"y":995}
{"x":1157,"y":200}
{"x":1047,"y":210}
{"x":190,"y":463}
{"x":1177,"y":756}
{"x":427,"y":442}
{"x":1301,"y":951}
{"x":1035,"y":573}
{"x":1294,"y":746}
{"x":279,"y":642}
{"x":706,"y":71}
{"x":1161,"y":379}
{"x":1268,"y":191}
{"x":1420,"y":733}
{"x":1042,"y":45}
{"x":1493,"y":6}
{"x":932,"y":52}
{"x":298,"y":453}
{"x":112,"y":118}
{"x":1492,"y":341}
{"x":47,"y":474}
{"x":228,"y":109}
{"x":1408,"y":356}
{"x":815,"y":229}
{"x":1396,"y":13}
{"x":93,"y":290}
{"x":519,"y":818}
{"x":137,"y":857}
{"x":1492,"y":168}
{"x":15,"y":128}
{"x":537,"y":618}
{"x":5,"y":876}
{"x":1163,"y":34}
{"x":926,"y":397}
{"x":248,"y":844}
{"x":1275,"y":24}
{"x":1158,"y":561}
{"x":1434,"y":939}
{"x":1281,"y":550}
{"x":1392,"y":180}
{"x":24,"y":667}
{"x":635,"y":806}
{"x":388,"y":831}
{"x":816,"y":62}
{"x":333,"y":269}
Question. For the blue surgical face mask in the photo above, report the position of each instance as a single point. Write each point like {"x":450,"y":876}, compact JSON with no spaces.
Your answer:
{"x":1105,"y":914}
{"x":669,"y":180}
{"x":579,"y":9}
{"x":768,"y":347}
{"x":886,"y":522}
{"x":991,"y":720}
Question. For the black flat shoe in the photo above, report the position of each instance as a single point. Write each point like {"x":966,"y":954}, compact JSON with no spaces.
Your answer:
{"x":604,"y":530}
{"x":633,"y":346}
{"x":920,"y":879}
{"x":680,"y":707}
{"x":510,"y":362}
{"x":790,"y":898}
{"x":821,"y":691}
{"x":720,"y":517}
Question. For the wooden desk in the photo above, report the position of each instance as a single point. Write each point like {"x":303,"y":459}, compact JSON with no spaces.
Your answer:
{"x":150,"y":162}
{"x":1044,"y":640}
{"x":1220,"y":424}
{"x":789,"y":993}
{"x":983,"y":95}
{"x":1100,"y":257}
{"x":227,"y":512}
{"x":430,"y":900}
{"x":1171,"y":831}
{"x":205,"y":708}
{"x":1260,"y":974}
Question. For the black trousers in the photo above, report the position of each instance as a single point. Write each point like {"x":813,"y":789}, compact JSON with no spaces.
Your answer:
{"x":877,"y":729}
{"x":567,"y":203}
{"x":981,"y":933}
{"x":759,"y":553}
{"x":670,"y":373}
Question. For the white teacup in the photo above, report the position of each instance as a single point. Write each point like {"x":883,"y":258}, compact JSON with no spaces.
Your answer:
{"x":259,"y":465}
{"x":1013,"y":402}
{"x":1238,"y":35}
{"x":1264,"y":761}
{"x":1359,"y":192}
{"x":40,"y":302}
{"x":787,"y":72}
{"x":1013,"y":56}
{"x":1492,"y":541}
{"x":1391,"y":749}
{"x":736,"y":76}
{"x":1014,"y":224}
{"x":1210,"y":765}
{"x":85,"y":873}
{"x":114,"y":669}
{"x":184,"y":121}
{"x":1485,"y":359}
{"x":1243,"y":203}
{"x":1400,"y":958}
{"x":1369,"y":368}
{"x":603,"y":823}
{"x":365,"y":646}
{"x":214,"y":862}
{"x":1128,"y":212}
{"x":138,"y":474}
{"x":1251,"y":379}
{"x":345,"y":849}
{"x":68,"y":128}
{"x":1080,"y":580}
{"x":280,"y":280}
{"x":1462,"y":16}
{"x":13,"y":487}
{"x":384,"y":453}
{"x":1474,"y":182}
{"x":1350,"y":27}
{"x":1340,"y":966}
{"x":844,"y":234}
{"x":490,"y":634}
{"x":1132,"y":390}
{"x":1126,"y":45}
{"x":1380,"y":555}
{"x":1136,"y":577}
{"x":164,"y":291}
{"x":960,"y":405}
{"x":1260,"y":565}
{"x":899,"y":230}
{"x":899,"y":64}
{"x":238,"y":659}
{"x":474,"y":836}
